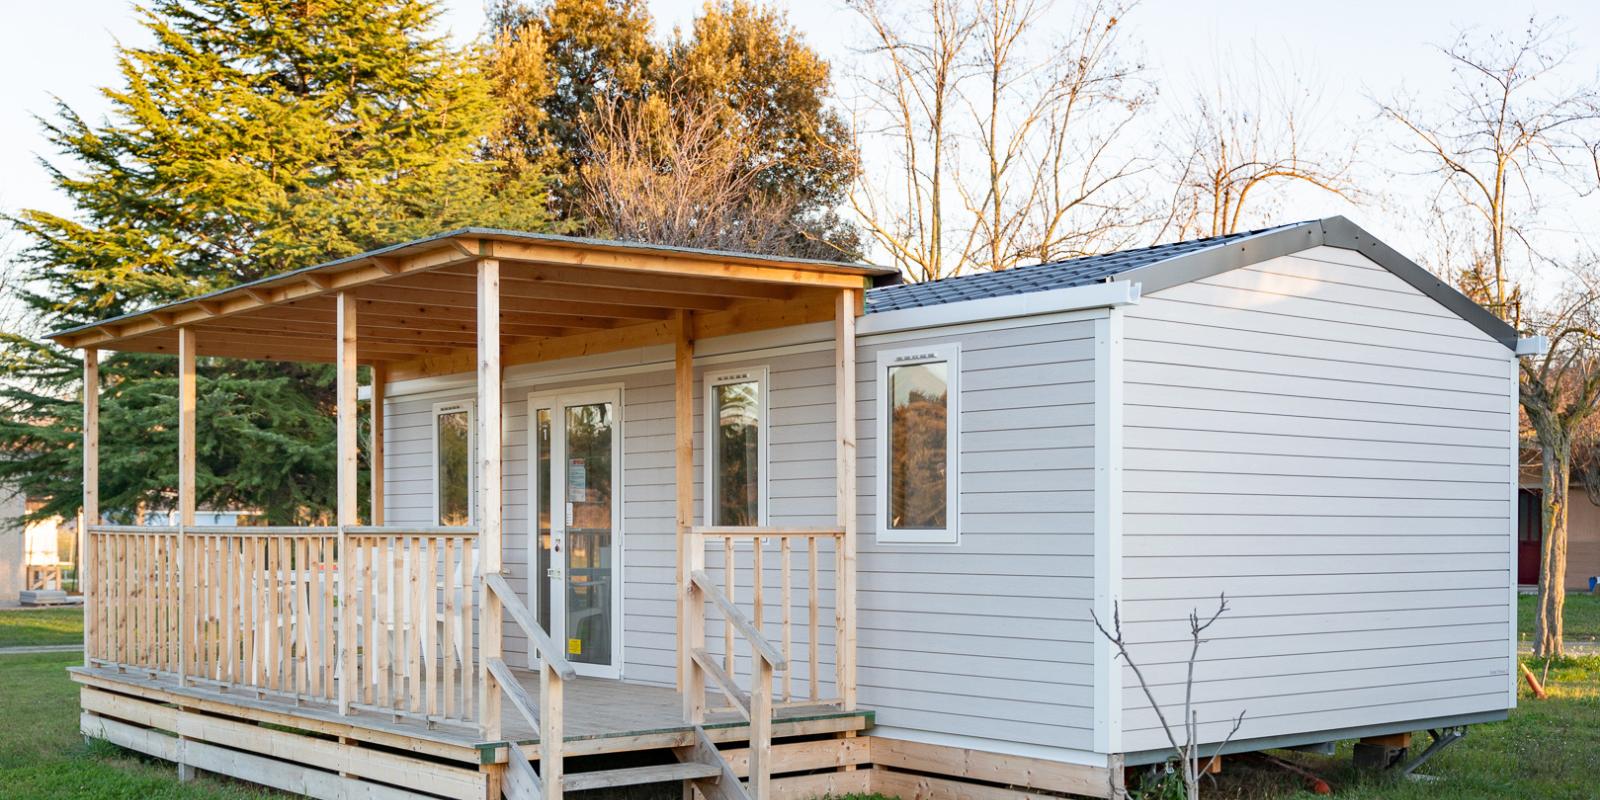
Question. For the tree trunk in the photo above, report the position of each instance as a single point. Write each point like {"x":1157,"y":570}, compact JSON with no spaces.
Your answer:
{"x":1553,"y":551}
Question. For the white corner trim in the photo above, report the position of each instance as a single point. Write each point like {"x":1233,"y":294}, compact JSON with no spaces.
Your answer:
{"x":1076,"y":298}
{"x":1514,"y":455}
{"x":1107,"y":527}
{"x":1533,"y":346}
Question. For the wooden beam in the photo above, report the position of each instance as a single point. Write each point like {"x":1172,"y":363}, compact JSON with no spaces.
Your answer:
{"x":529,"y":289}
{"x":288,"y":288}
{"x":347,"y":477}
{"x":380,"y":385}
{"x":488,"y":414}
{"x":186,"y":503}
{"x":402,"y":293}
{"x":625,"y":279}
{"x":683,"y":472}
{"x":693,"y":265}
{"x":186,"y":423}
{"x":844,"y":404}
{"x":87,"y":578}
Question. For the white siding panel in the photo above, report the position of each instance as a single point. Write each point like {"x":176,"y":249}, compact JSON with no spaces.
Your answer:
{"x":990,"y":637}
{"x":1326,"y":445}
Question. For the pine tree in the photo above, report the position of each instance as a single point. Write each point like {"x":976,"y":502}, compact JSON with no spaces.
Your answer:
{"x":252,"y":137}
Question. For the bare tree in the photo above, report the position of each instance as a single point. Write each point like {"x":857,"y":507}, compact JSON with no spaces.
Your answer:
{"x":1560,"y":395}
{"x":1510,"y":134}
{"x":1249,"y":134}
{"x":1188,"y":750}
{"x":1005,"y":133}
{"x":666,"y":170}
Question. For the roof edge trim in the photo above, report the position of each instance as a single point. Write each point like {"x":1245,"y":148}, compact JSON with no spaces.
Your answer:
{"x":1346,"y":235}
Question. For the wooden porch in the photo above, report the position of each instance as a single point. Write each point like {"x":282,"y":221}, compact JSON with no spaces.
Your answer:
{"x":372,"y":642}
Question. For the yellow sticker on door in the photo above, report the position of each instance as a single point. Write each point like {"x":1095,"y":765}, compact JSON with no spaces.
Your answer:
{"x":574,"y":647}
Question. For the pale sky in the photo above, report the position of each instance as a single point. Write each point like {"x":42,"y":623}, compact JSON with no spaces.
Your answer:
{"x":1357,"y":49}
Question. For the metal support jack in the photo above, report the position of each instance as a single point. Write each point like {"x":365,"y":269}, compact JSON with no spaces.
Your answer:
{"x":1441,"y":738}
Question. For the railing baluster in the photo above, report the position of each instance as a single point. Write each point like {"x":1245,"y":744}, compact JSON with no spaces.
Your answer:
{"x":730,"y":588}
{"x":811,"y":639}
{"x":785,"y":554}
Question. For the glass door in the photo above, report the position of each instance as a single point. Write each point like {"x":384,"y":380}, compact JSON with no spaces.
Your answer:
{"x":577,"y":445}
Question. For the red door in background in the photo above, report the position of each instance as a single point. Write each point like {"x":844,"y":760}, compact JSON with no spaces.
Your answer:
{"x":1530,"y":529}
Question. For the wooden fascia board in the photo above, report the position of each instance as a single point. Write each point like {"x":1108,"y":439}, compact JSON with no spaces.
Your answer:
{"x":692,"y":266}
{"x":289,"y":288}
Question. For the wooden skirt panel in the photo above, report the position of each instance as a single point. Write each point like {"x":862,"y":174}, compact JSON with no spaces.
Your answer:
{"x":292,"y":761}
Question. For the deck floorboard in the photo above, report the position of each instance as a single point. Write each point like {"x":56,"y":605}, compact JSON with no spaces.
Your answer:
{"x":596,"y":708}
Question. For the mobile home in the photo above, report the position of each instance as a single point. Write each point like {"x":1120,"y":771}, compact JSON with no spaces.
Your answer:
{"x":782,"y":528}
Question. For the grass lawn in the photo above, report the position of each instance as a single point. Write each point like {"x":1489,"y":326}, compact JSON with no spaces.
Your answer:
{"x":1547,"y":749}
{"x":41,"y":626}
{"x":43,"y":756}
{"x":1581,"y":623}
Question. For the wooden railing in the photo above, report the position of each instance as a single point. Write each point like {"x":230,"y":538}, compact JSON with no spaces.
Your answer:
{"x":753,"y":697}
{"x":554,"y":669}
{"x":292,"y":612}
{"x":131,"y":604}
{"x":412,"y":597}
{"x":788,"y":611}
{"x":260,"y":609}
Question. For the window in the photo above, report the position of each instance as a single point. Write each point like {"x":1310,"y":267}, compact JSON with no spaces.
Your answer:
{"x":736,"y":447}
{"x":453,"y":479}
{"x":918,"y":390}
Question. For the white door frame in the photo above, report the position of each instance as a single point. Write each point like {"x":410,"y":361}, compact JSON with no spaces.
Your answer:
{"x":557,"y":401}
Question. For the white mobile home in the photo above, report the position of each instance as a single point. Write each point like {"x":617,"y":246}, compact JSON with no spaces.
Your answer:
{"x":800,"y":524}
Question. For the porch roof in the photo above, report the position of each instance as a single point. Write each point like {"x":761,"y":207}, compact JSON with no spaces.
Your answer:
{"x":417,"y":300}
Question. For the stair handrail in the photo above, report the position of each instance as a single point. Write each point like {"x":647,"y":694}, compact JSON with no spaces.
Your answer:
{"x":554,"y":670}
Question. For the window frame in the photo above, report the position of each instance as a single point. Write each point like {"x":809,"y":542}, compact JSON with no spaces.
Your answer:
{"x":761,"y":375}
{"x":451,"y":407}
{"x":950,"y":354}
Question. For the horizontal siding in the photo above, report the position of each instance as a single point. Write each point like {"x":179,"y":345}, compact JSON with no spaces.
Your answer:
{"x":1330,"y":448}
{"x":801,"y":467}
{"x":990,"y":638}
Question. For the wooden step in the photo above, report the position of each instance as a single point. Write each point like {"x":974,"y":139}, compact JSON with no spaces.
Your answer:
{"x":632,"y":776}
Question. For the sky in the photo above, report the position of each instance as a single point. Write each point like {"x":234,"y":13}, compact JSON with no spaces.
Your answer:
{"x":1356,"y":50}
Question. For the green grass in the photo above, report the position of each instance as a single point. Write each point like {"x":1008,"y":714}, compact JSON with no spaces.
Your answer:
{"x":41,"y":626}
{"x":1547,"y":749}
{"x":1580,"y":623}
{"x":42,"y":755}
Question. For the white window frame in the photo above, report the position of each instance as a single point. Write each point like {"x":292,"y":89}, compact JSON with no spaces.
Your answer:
{"x":439,"y":410}
{"x":760,"y":374}
{"x":950,"y":354}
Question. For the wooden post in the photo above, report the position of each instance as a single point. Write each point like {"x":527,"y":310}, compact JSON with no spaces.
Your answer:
{"x":87,"y":586}
{"x":760,"y":782}
{"x":345,"y":360}
{"x":691,"y":613}
{"x":186,"y":506}
{"x":551,"y":733}
{"x":186,"y":422}
{"x":380,"y":385}
{"x":844,"y":399}
{"x":489,"y":621}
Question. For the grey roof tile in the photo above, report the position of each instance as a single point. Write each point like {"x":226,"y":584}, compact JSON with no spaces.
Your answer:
{"x":1038,"y":277}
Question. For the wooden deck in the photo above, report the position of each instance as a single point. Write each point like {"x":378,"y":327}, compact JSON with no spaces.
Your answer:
{"x":602,"y":716}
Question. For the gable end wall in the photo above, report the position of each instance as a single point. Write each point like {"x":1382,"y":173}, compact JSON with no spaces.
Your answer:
{"x":1332,"y":448}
